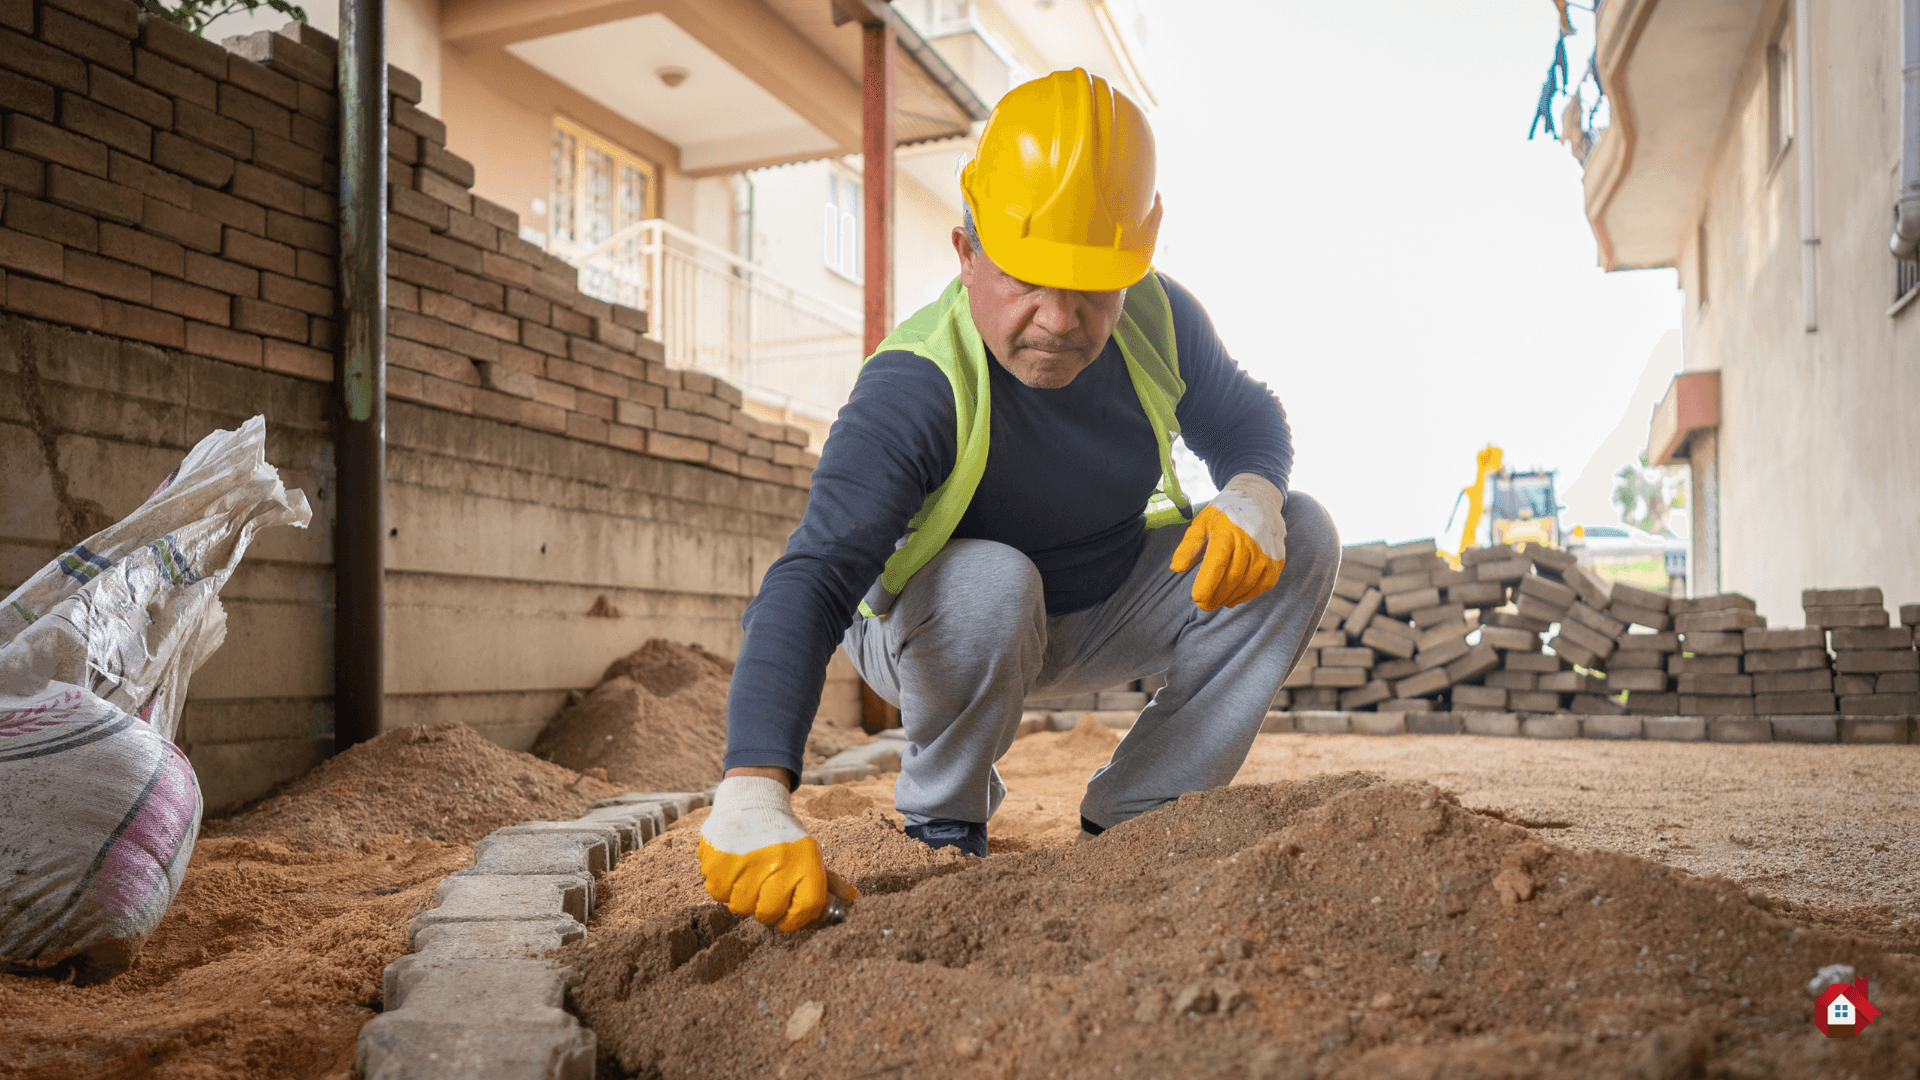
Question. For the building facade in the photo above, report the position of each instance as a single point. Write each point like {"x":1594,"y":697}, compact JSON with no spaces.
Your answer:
{"x":1756,"y":146}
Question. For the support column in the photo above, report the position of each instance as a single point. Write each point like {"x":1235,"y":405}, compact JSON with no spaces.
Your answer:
{"x":360,"y":436}
{"x":876,"y":185}
{"x":1703,"y":455}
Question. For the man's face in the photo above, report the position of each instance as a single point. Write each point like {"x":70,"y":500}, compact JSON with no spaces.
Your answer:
{"x":1045,"y":337}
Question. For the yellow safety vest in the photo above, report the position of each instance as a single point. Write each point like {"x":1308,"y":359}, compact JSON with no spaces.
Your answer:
{"x":943,"y":332}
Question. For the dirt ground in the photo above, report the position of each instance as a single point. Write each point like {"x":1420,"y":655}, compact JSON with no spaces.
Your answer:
{"x":1342,"y":925}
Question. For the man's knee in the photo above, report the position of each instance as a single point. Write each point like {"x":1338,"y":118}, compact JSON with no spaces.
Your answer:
{"x":1310,"y":529}
{"x":990,"y":582}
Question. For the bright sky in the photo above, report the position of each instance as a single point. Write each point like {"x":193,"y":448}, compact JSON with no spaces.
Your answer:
{"x":1350,"y":192}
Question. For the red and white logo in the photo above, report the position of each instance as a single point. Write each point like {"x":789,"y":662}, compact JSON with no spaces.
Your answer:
{"x":1843,"y":1009}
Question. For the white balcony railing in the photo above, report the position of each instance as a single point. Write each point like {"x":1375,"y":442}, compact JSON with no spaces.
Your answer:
{"x":717,"y":313}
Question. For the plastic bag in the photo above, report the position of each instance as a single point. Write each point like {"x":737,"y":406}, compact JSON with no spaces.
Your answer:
{"x":98,"y":807}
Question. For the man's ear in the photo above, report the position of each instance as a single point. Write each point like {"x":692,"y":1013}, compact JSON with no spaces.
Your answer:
{"x":964,"y":249}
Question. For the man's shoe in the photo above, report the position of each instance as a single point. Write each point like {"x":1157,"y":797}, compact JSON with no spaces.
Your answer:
{"x":969,"y":836}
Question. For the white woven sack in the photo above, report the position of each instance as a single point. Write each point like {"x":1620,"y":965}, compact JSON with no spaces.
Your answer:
{"x":98,"y":807}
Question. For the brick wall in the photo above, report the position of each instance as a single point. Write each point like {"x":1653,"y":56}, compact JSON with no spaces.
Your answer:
{"x":556,"y":495}
{"x":162,"y":188}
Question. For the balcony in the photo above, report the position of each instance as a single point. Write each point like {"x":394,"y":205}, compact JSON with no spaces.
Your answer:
{"x":792,"y":353}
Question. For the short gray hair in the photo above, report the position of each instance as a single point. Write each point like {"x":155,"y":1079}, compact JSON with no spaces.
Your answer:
{"x":967,"y":226}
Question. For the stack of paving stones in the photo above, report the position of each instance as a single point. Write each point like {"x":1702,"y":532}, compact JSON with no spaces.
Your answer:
{"x":1523,"y":640}
{"x":479,"y":994}
{"x":1876,"y":670}
{"x":162,"y":188}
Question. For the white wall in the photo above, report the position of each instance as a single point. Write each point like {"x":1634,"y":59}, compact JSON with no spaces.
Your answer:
{"x":1819,"y":450}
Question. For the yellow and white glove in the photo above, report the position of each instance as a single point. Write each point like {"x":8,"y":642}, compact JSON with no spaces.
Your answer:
{"x":1243,"y":534}
{"x":758,"y":859}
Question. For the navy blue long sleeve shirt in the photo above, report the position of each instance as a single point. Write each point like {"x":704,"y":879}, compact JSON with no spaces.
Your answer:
{"x":1068,"y":475}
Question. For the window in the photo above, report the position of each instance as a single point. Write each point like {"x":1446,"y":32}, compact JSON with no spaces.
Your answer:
{"x":1779,"y":93}
{"x":842,"y":225}
{"x":598,"y":188}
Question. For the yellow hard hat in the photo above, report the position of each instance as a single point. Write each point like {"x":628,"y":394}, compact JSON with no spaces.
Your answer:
{"x":1062,"y":187}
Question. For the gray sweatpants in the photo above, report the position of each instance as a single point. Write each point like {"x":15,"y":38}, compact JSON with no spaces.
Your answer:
{"x":969,"y":641}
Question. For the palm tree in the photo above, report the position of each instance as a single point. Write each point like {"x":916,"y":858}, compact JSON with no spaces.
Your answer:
{"x":1646,"y":494}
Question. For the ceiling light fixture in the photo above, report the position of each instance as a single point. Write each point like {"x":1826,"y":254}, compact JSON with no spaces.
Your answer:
{"x":672,"y":76}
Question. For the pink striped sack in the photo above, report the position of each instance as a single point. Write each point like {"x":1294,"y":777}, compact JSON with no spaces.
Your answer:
{"x":98,"y":807}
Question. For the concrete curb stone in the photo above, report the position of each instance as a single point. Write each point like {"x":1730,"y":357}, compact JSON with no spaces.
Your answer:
{"x":1432,"y":723}
{"x":1675,"y":728}
{"x":1875,"y":729}
{"x":1379,"y":723}
{"x":1739,"y":729}
{"x":1551,"y":726}
{"x":1499,"y":725}
{"x":1610,"y":727}
{"x":1805,"y":729}
{"x":1323,"y":723}
{"x":1276,"y":722}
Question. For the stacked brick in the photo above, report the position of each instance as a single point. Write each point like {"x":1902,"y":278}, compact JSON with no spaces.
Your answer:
{"x":1408,"y":632}
{"x":1877,"y":671}
{"x":159,"y":187}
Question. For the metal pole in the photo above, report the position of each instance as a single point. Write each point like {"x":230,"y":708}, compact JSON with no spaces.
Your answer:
{"x":360,"y":444}
{"x":876,"y":185}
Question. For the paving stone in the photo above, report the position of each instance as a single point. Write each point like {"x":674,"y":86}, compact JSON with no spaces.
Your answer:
{"x":1479,"y":660}
{"x":1637,"y":659}
{"x":1718,"y":685}
{"x":1537,"y":610}
{"x":1422,"y":683}
{"x":1431,"y":723}
{"x":1395,"y":584}
{"x":1634,"y":596}
{"x":1716,"y":705}
{"x":504,"y":938}
{"x":1489,"y":698}
{"x":1120,"y":720}
{"x":1814,"y":659}
{"x":1897,"y":682}
{"x":1552,"y":593}
{"x":1739,"y":729}
{"x":1549,"y":558}
{"x":1679,"y":606}
{"x":1871,"y":596}
{"x":1874,"y":661}
{"x":1444,"y":653}
{"x":1638,"y":616}
{"x":1573,"y":652}
{"x":1571,"y":682}
{"x":1327,"y":639}
{"x":1846,"y":616}
{"x":1510,"y":639}
{"x":1395,"y":669}
{"x":1713,"y":643}
{"x":1729,"y":620}
{"x":445,"y":1044}
{"x":1118,"y":699}
{"x":1875,"y":729}
{"x":1674,"y":728}
{"x":1371,"y":556}
{"x":1402,"y":603}
{"x":1378,"y":723}
{"x":1871,"y":637}
{"x":1652,"y":703}
{"x":1551,"y":726}
{"x":1760,"y":639}
{"x":1854,"y":684}
{"x":1341,"y":677}
{"x":1372,"y":693}
{"x":1805,"y":729}
{"x":879,"y":757}
{"x":1503,"y":570}
{"x":1276,"y":722}
{"x":1387,"y":642}
{"x":1637,"y":679}
{"x":1665,"y":642}
{"x":1910,"y":614}
{"x":467,"y":896}
{"x":577,"y":826}
{"x":519,"y":898}
{"x":1596,"y":705}
{"x":637,"y":823}
{"x":1364,"y":610}
{"x":1610,"y":727}
{"x":1795,"y":682}
{"x":537,"y":982}
{"x":1476,"y":594}
{"x":1703,"y":665}
{"x":1796,"y":704}
{"x":1538,"y":663}
{"x":676,"y":804}
{"x":1594,"y":619}
{"x":1406,"y":705}
{"x":1323,"y":723}
{"x":505,"y":852}
{"x":1533,"y":701}
{"x":1879,"y":704}
{"x":1503,"y":725}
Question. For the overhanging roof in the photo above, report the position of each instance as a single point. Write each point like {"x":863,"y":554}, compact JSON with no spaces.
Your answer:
{"x":1670,"y":68}
{"x":769,"y":81}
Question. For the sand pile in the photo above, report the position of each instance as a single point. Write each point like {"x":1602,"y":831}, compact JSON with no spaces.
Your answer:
{"x":270,"y":959}
{"x":1338,"y":926}
{"x":439,"y":781}
{"x":658,"y":722}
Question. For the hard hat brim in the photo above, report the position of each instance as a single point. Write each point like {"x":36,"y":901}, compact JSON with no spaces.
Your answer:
{"x":1054,"y":265}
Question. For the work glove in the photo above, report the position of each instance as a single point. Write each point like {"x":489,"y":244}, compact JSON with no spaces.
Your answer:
{"x":1243,"y":534}
{"x":758,"y":859}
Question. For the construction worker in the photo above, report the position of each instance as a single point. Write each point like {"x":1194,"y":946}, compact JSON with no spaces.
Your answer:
{"x":975,"y":534}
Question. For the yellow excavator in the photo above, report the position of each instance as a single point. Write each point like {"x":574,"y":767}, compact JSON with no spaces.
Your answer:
{"x":1525,"y":505}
